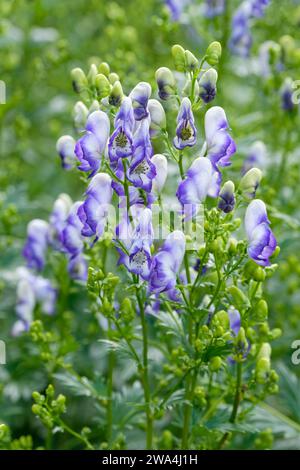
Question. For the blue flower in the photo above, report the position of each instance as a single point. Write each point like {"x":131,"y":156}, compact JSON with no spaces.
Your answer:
{"x":166,"y":264}
{"x":77,"y":268}
{"x":120,"y":142}
{"x":90,"y":148}
{"x":262,"y":242}
{"x":58,"y":218}
{"x":71,"y":234}
{"x":141,"y":170}
{"x":35,"y":247}
{"x":139,"y":97}
{"x":220,"y":145}
{"x":227,"y":198}
{"x":186,"y":132}
{"x":94,"y":211}
{"x":65,"y":147}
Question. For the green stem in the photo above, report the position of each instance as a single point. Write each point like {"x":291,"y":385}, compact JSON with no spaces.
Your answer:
{"x":145,"y":381}
{"x":75,"y":434}
{"x":109,"y":410}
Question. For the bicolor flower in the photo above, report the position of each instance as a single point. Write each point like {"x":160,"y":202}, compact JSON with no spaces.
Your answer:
{"x":65,"y":147}
{"x":186,"y":132}
{"x":213,"y":8}
{"x":58,"y":218}
{"x":77,"y":268}
{"x":140,"y":249}
{"x":25,"y":300}
{"x":286,"y":91}
{"x":94,"y":211}
{"x":166,"y":83}
{"x":161,"y":166}
{"x":250,"y":182}
{"x":202,"y":179}
{"x":220,"y":145}
{"x":120,"y":142}
{"x":141,"y":170}
{"x":262,"y":242}
{"x":158,"y":121}
{"x":176,"y":8}
{"x":35,"y":247}
{"x":90,"y":148}
{"x":227,"y":197}
{"x":256,"y":157}
{"x":80,"y":114}
{"x":241,"y":344}
{"x":71,"y":234}
{"x":166,"y":264}
{"x":139,"y":97}
{"x":208,"y":85}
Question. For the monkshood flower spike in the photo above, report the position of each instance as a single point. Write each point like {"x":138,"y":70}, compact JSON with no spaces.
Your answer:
{"x":120,"y":142}
{"x":140,"y":249}
{"x":186,"y":132}
{"x":35,"y":247}
{"x":71,"y":235}
{"x":220,"y":145}
{"x":262,"y":243}
{"x":94,"y":211}
{"x":166,"y":264}
{"x":90,"y":148}
{"x":139,"y":97}
{"x":141,"y":170}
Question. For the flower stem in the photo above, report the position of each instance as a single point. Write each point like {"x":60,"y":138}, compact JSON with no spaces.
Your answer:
{"x":109,"y":410}
{"x":145,"y":375}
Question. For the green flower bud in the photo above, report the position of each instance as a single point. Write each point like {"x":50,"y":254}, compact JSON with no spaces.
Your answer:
{"x":241,"y":301}
{"x":102,"y":85}
{"x":36,"y":409}
{"x":91,"y":76}
{"x":221,"y":317}
{"x":50,"y":391}
{"x":261,"y":310}
{"x":277,"y":252}
{"x":250,"y":182}
{"x":276,"y":333}
{"x":127,"y":310}
{"x":191,"y":61}
{"x":79,"y":80}
{"x":215,"y":364}
{"x":113,"y":78}
{"x":116,"y":94}
{"x":213,"y":53}
{"x":255,"y":272}
{"x":178,"y":54}
{"x":166,"y":83}
{"x":106,"y":306}
{"x":104,"y":68}
{"x":232,"y":246}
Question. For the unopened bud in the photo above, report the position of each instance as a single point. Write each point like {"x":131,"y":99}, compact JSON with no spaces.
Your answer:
{"x":213,"y":53}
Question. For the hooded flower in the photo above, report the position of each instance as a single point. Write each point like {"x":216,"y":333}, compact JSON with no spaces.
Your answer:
{"x":202,"y":180}
{"x":120,"y":142}
{"x":58,"y":218}
{"x":35,"y":247}
{"x":90,"y":148}
{"x":208,"y":85}
{"x":166,"y":264}
{"x":77,"y":268}
{"x":141,"y":170}
{"x":140,"y":249}
{"x":65,"y":147}
{"x":286,"y":91}
{"x":71,"y":234}
{"x":139,"y":97}
{"x":241,"y":344}
{"x":158,"y":118}
{"x":186,"y":132}
{"x":227,"y":197}
{"x":161,"y":166}
{"x":262,"y":242}
{"x":220,"y":145}
{"x":94,"y":211}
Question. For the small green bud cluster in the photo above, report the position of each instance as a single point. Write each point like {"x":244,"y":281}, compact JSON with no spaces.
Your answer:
{"x":47,"y":408}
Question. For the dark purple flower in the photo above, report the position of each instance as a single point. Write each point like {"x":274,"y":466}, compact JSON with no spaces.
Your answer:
{"x":141,"y":170}
{"x":186,"y":132}
{"x":166,"y":263}
{"x":35,"y":247}
{"x":262,"y":242}
{"x":220,"y":145}
{"x":208,"y":85}
{"x":65,"y":147}
{"x":90,"y":148}
{"x":287,"y":90}
{"x":120,"y":142}
{"x":140,"y":96}
{"x":71,"y":234}
{"x":94,"y":211}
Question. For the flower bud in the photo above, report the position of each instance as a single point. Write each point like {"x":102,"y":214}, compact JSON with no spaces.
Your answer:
{"x":116,"y":94}
{"x":178,"y":54}
{"x":191,"y":61}
{"x":261,"y":310}
{"x":79,"y":80}
{"x":263,"y":364}
{"x":166,"y":83}
{"x":227,"y":198}
{"x":215,"y":364}
{"x":240,"y":299}
{"x":232,"y":246}
{"x":104,"y":68}
{"x":213,"y":53}
{"x":241,"y":341}
{"x":208,"y":85}
{"x":161,"y":165}
{"x":250,"y":182}
{"x":103,"y":86}
{"x":80,"y":114}
{"x":113,"y":77}
{"x":158,"y":117}
{"x":92,"y":74}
